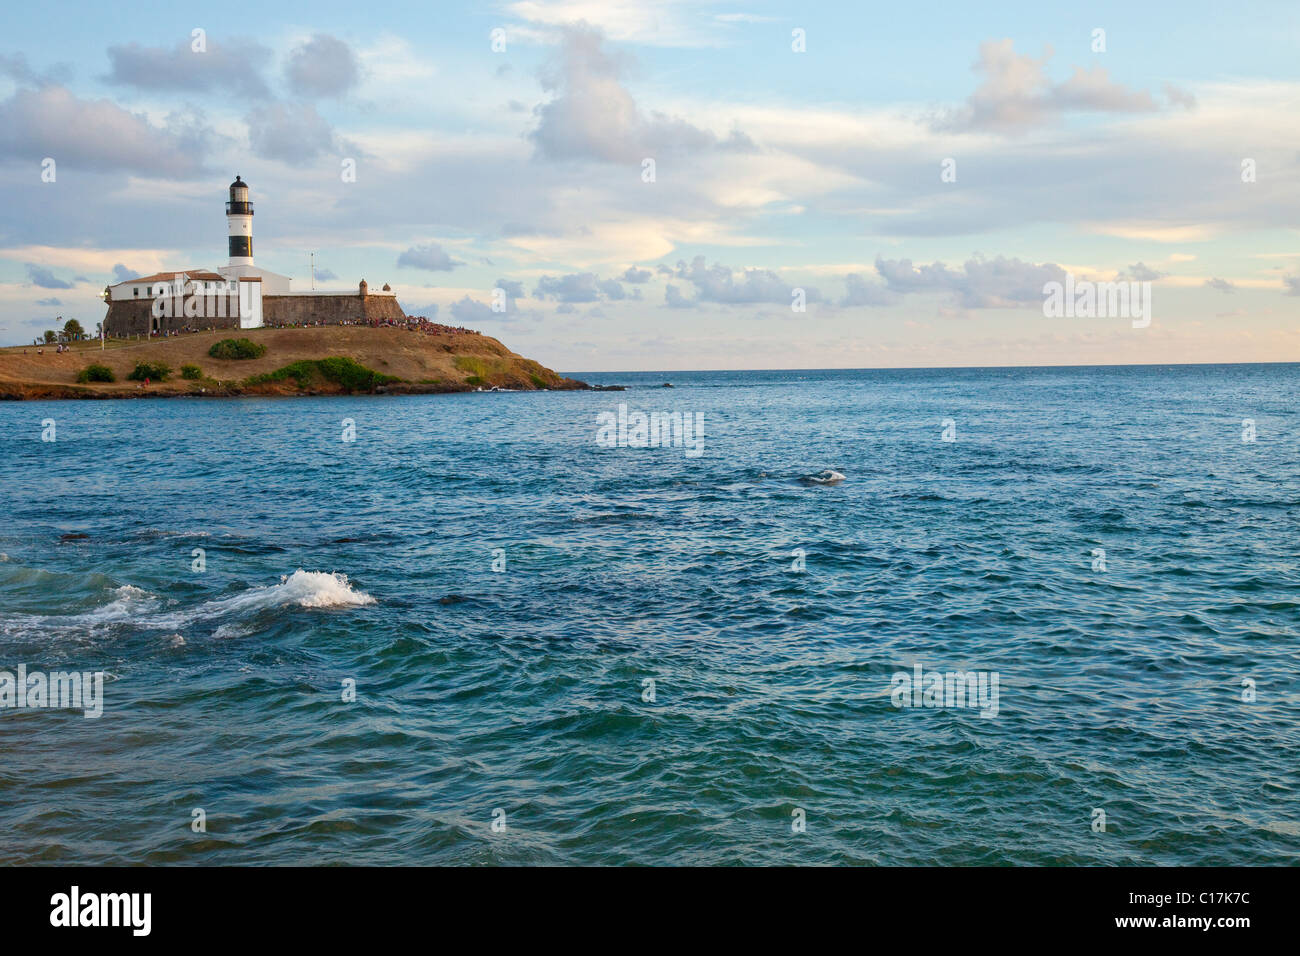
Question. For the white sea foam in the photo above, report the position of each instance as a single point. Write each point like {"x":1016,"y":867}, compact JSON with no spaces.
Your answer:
{"x":315,"y":589}
{"x":304,"y":588}
{"x":321,"y":589}
{"x":130,"y":601}
{"x":312,"y":589}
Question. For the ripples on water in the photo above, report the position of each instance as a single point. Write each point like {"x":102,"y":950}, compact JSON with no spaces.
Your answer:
{"x":522,"y":690}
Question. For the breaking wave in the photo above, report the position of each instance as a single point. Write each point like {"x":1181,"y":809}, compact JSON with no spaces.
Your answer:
{"x":314,"y":589}
{"x":304,"y":588}
{"x":135,"y":606}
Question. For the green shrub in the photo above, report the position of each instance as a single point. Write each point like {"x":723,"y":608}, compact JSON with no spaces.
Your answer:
{"x":94,"y":372}
{"x":351,"y":375}
{"x":154,"y":371}
{"x":474,"y":380}
{"x":237,"y":349}
{"x":191,"y":371}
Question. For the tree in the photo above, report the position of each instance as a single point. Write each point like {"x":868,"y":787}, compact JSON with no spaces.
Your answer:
{"x":51,"y":336}
{"x":72,"y":329}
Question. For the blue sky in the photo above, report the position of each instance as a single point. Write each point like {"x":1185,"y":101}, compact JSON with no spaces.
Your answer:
{"x":775,"y":170}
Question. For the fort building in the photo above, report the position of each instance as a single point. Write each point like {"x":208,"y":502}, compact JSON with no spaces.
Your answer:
{"x":238,"y":295}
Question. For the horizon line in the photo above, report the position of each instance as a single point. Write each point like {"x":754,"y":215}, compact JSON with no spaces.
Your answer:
{"x":926,"y":368}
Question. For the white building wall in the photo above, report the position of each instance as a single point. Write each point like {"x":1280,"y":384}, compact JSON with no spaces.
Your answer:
{"x":250,"y":305}
{"x":272,"y":282}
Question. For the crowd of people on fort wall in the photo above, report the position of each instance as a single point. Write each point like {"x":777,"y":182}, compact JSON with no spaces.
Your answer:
{"x":412,"y":323}
{"x":418,"y":323}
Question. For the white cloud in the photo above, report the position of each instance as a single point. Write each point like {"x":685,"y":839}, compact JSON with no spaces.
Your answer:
{"x":1016,"y":93}
{"x":289,"y":132}
{"x":430,"y":256}
{"x":982,"y":283}
{"x":321,"y":66}
{"x":591,"y":115}
{"x":235,"y":66}
{"x":669,"y":23}
{"x":95,"y":134}
{"x":723,"y":285}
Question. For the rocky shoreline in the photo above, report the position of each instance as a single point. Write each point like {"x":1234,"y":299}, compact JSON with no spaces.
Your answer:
{"x":332,"y":360}
{"x":11,"y":392}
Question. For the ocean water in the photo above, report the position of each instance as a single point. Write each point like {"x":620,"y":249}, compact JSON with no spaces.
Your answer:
{"x":685,"y":660}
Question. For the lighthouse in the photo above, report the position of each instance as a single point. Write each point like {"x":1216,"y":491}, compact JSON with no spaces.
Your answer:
{"x":239,"y":239}
{"x":239,"y":224}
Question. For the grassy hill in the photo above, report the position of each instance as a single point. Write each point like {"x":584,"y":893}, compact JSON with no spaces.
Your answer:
{"x":402,"y":362}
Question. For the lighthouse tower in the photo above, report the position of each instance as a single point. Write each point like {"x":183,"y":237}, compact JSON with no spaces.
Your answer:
{"x":239,"y":224}
{"x":239,"y":236}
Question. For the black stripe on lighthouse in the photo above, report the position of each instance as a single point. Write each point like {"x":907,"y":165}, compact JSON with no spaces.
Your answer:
{"x":241,"y":247}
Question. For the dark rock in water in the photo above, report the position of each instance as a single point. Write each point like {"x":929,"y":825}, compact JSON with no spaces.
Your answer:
{"x":452,"y":599}
{"x":666,"y":385}
{"x":608,"y":388}
{"x":78,"y":536}
{"x":827,"y":477}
